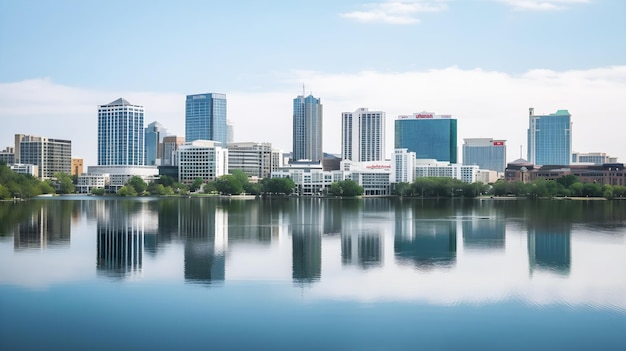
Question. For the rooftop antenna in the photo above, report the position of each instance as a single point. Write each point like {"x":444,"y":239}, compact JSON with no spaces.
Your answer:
{"x":520,"y":151}
{"x":302,"y":89}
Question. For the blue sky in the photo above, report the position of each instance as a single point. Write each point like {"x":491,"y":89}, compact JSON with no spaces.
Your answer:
{"x":484,"y":61}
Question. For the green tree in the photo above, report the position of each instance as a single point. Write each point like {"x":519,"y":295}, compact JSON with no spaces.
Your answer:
{"x":335,"y":189}
{"x":576,"y":189}
{"x":197,"y":183}
{"x":348,"y":188}
{"x":567,"y":180}
{"x":127,"y":190}
{"x":137,"y":184}
{"x":209,"y":187}
{"x":46,"y":188}
{"x":66,"y":185}
{"x":473,"y":189}
{"x":402,"y":189}
{"x":97,"y":191}
{"x":228,"y":184}
{"x":592,"y":190}
{"x":5,"y":194}
{"x":278,"y":186}
{"x":166,"y":180}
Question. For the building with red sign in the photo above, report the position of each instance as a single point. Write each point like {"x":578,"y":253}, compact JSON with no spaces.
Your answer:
{"x":428,"y":135}
{"x":486,"y":153}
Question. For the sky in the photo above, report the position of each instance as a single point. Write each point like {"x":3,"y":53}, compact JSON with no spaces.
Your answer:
{"x":485,"y":62}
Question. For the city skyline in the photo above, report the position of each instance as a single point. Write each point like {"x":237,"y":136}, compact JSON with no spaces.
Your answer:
{"x":486,"y":66}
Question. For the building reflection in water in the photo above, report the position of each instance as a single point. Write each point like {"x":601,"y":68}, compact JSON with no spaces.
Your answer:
{"x":306,"y":237}
{"x":48,"y":224}
{"x":161,"y":231}
{"x":362,"y":248}
{"x":203,"y":225}
{"x":427,"y":244}
{"x":484,"y":233}
{"x":549,"y":248}
{"x":121,"y":230}
{"x":250,"y":222}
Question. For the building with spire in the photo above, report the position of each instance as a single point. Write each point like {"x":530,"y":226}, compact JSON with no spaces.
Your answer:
{"x":307,"y":129}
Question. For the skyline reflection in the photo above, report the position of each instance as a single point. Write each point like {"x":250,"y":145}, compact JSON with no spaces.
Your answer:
{"x":318,"y":243}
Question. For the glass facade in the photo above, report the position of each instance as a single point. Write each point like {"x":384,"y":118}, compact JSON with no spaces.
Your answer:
{"x":155,"y":132}
{"x":120,"y":134}
{"x":205,"y":118}
{"x":486,"y":153}
{"x":428,"y":138}
{"x":550,"y":138}
{"x":307,"y":129}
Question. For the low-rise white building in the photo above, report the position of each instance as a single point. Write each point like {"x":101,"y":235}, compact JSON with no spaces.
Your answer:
{"x":373,"y":176}
{"x":22,"y":168}
{"x":88,"y":181}
{"x":309,"y":177}
{"x":118,"y":176}
{"x":434,"y":168}
{"x":201,"y":159}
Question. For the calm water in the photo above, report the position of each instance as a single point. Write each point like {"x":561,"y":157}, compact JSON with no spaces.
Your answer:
{"x":309,"y":274}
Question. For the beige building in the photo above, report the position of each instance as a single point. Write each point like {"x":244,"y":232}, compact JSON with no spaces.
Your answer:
{"x":77,"y":166}
{"x":49,"y":155}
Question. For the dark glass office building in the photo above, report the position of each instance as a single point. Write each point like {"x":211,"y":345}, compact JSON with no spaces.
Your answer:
{"x":430,"y":136}
{"x":205,"y":118}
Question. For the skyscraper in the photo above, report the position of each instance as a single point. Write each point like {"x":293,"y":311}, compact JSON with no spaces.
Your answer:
{"x":205,"y":118}
{"x":487,"y":153}
{"x":363,"y":135}
{"x":120,"y":134}
{"x":549,"y":138}
{"x":307,"y":129}
{"x":429,"y":135}
{"x":154,"y":134}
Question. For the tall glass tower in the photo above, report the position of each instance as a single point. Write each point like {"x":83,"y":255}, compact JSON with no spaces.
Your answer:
{"x":363,"y":135}
{"x":307,"y":129}
{"x":120,"y":134}
{"x":429,"y":135}
{"x":550,"y":138}
{"x":205,"y":118}
{"x":154,"y":134}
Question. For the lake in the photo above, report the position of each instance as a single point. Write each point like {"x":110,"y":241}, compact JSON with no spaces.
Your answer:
{"x":89,"y":273}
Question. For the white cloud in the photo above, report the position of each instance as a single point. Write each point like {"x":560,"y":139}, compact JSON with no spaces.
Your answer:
{"x":395,"y":12}
{"x":486,"y":104}
{"x":542,"y":5}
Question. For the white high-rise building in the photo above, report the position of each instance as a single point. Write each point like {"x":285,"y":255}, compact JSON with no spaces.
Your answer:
{"x":363,"y":135}
{"x":402,"y":166}
{"x":120,"y":134}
